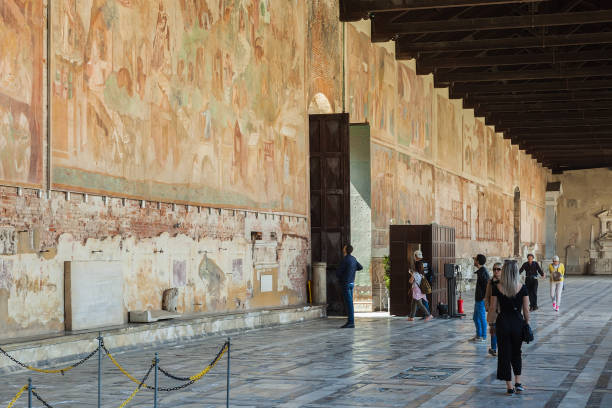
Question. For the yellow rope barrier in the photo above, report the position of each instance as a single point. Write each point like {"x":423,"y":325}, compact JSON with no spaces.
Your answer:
{"x":14,"y":400}
{"x":209,"y":367}
{"x":130,"y":397}
{"x":193,"y":378}
{"x":128,"y":375}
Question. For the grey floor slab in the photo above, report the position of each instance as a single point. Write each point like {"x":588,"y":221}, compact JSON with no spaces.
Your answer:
{"x":384,"y":362}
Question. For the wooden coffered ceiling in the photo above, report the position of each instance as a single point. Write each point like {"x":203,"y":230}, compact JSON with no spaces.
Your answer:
{"x":540,"y":71}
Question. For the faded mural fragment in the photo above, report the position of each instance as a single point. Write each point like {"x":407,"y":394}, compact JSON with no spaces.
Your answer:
{"x":414,"y":110}
{"x":21,"y":91}
{"x":190,"y":101}
{"x":324,"y":57}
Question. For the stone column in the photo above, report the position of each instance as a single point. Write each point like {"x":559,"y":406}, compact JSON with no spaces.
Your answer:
{"x":553,"y":192}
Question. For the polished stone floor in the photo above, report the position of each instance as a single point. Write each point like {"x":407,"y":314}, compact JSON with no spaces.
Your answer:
{"x":383,"y":362}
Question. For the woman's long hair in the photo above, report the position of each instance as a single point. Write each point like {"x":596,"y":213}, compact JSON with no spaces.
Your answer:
{"x":510,"y":278}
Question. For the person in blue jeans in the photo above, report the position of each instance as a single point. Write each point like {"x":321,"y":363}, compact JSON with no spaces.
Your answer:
{"x":346,"y":272}
{"x":492,"y":314}
{"x":480,"y":315}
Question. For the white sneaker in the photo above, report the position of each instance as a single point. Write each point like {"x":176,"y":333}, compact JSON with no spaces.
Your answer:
{"x":475,"y":339}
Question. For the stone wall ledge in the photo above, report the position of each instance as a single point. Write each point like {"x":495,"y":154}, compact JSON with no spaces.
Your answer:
{"x":59,"y":349}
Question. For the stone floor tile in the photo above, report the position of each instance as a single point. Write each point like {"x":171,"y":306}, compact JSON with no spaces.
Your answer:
{"x":384,"y":362}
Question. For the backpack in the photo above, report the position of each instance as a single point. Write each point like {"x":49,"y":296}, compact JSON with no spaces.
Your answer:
{"x":425,"y":286}
{"x":556,"y":275}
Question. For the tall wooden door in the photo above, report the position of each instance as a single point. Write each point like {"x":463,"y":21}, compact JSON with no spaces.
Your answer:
{"x":438,"y":246}
{"x":330,"y":198}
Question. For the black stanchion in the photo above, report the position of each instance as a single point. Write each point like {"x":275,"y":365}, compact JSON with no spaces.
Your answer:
{"x":99,"y":370}
{"x":156,"y":379}
{"x":29,"y":393}
{"x":229,"y":346}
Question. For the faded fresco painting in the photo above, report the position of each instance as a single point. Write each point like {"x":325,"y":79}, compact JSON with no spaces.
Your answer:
{"x":493,"y":155}
{"x":21,"y":92}
{"x":414,"y":110}
{"x":383,"y":92}
{"x":449,"y":125}
{"x":479,"y":162}
{"x":415,"y":191}
{"x":189,"y":101}
{"x":358,"y":79}
{"x":383,"y":193}
{"x":324,"y":57}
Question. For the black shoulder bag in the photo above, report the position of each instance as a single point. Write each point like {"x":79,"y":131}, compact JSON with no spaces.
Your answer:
{"x":526,"y":332}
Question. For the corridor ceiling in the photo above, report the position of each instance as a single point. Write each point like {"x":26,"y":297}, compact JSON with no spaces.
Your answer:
{"x":540,"y":71}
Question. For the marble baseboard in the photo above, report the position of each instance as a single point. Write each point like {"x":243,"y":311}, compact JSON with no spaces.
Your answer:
{"x":70,"y":346}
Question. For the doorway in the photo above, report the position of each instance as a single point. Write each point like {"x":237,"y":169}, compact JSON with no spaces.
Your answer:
{"x":517,"y":221}
{"x":330,"y":219}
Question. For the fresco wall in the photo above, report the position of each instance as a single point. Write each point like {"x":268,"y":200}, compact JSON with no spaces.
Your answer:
{"x":21,"y":92}
{"x":433,"y":161}
{"x":189,"y":101}
{"x":173,"y":101}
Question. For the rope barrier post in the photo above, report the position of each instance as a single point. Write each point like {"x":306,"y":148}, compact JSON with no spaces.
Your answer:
{"x":99,"y":370}
{"x":229,"y":345}
{"x":29,"y":393}
{"x":155,"y":392}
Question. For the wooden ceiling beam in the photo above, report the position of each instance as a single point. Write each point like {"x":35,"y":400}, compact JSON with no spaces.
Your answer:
{"x":428,"y":65}
{"x":462,"y":89}
{"x":406,"y":48}
{"x":542,"y":106}
{"x":353,"y":10}
{"x":387,"y":27}
{"x":444,"y":78}
{"x":540,"y":97}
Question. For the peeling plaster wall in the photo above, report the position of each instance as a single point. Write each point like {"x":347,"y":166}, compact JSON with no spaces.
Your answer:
{"x":433,"y":161}
{"x":195,"y":102}
{"x":585,"y":194}
{"x":222,"y":264}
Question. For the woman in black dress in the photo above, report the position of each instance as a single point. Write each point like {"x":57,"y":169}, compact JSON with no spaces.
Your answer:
{"x":512,"y":297}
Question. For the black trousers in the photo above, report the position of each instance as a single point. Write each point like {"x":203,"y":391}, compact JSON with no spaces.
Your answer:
{"x":532,"y":289}
{"x":509,"y":342}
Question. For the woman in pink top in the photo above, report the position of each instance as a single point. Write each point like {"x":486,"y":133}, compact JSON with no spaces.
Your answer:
{"x":417,"y":297}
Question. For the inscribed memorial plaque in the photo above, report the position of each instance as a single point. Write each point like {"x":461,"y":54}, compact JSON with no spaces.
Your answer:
{"x":93,"y":294}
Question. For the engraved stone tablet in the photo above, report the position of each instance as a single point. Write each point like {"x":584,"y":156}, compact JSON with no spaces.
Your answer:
{"x":93,"y":294}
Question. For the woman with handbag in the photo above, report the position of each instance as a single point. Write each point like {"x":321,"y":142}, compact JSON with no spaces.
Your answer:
{"x":492,"y":314}
{"x":557,"y":275}
{"x":512,"y":297}
{"x":417,"y":280}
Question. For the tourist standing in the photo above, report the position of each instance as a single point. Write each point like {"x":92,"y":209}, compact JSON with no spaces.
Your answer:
{"x":556,"y":271}
{"x":421,"y":266}
{"x":482,"y":279}
{"x":511,"y":296}
{"x":346,"y":272}
{"x":532,"y":269}
{"x":417,"y":297}
{"x":492,"y":314}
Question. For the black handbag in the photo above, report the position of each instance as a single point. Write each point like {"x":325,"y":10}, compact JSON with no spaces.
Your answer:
{"x":527,"y":334}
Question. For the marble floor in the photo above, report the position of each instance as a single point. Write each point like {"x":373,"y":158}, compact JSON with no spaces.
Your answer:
{"x":383,"y":362}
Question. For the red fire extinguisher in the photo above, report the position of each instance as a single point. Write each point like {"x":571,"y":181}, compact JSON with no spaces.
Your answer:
{"x":460,"y":306}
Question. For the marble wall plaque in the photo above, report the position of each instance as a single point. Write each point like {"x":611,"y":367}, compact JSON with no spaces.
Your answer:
{"x":266,"y":283}
{"x":93,"y":294}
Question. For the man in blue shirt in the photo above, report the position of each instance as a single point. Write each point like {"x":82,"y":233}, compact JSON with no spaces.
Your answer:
{"x":346,"y":273}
